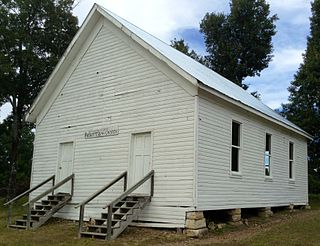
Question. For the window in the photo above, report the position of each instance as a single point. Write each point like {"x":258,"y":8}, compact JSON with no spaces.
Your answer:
{"x":235,"y":148}
{"x":291,"y":152}
{"x":267,"y":155}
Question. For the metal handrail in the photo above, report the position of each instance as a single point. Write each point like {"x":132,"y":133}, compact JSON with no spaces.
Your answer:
{"x":24,"y":194}
{"x":150,"y":175}
{"x":123,"y":175}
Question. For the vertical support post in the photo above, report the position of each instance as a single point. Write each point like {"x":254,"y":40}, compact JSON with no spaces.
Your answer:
{"x":109,"y":221}
{"x":53,"y":181}
{"x":72,"y":185}
{"x":9,"y":214}
{"x":29,"y":216}
{"x":81,"y":220}
{"x":152,"y":185}
{"x":125,"y":182}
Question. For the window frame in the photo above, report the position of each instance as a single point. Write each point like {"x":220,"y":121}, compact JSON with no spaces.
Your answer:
{"x":269,"y":155}
{"x":291,"y":161}
{"x":238,"y":147}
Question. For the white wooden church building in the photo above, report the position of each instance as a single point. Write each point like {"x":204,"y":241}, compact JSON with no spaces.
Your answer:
{"x":122,"y":100}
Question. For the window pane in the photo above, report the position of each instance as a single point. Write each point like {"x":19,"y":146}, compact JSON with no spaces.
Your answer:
{"x":235,"y":134}
{"x":267,"y":171}
{"x":267,"y":163}
{"x":290,"y":169}
{"x":235,"y":160}
{"x":291,"y":151}
{"x":268,"y":143}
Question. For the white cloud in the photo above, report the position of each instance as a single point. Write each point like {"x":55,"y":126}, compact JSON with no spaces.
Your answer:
{"x":289,"y":5}
{"x":274,"y":80}
{"x":296,"y":12}
{"x":160,"y":18}
{"x":286,"y":60}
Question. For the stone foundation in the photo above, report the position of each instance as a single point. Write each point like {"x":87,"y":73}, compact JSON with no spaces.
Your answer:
{"x":290,"y":208}
{"x":307,"y":207}
{"x":235,"y":215}
{"x":195,"y":224}
{"x":265,"y":212}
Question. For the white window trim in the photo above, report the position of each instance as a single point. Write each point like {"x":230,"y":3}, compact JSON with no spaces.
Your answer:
{"x":267,"y":177}
{"x":236,"y":174}
{"x":292,"y":179}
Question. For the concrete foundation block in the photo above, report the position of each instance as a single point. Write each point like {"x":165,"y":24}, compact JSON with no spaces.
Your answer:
{"x":196,"y":224}
{"x":235,"y":211}
{"x":196,"y":215}
{"x":196,"y":232}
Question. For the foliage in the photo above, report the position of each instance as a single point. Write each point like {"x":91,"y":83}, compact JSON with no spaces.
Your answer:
{"x":185,"y":49}
{"x":314,"y":184}
{"x":25,"y":157}
{"x":33,"y":36}
{"x":304,"y":101}
{"x":239,"y":44}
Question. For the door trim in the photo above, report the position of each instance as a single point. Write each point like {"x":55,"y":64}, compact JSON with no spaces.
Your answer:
{"x":67,"y":140}
{"x":131,"y":139}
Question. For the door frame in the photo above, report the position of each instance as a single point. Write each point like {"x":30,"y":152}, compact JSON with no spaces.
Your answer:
{"x":131,"y":139}
{"x":62,"y":141}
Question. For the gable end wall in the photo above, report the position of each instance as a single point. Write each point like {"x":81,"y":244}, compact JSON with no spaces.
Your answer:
{"x":118,"y":84}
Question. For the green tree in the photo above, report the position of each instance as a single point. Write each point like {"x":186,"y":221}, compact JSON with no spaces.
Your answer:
{"x":25,"y":156}
{"x":182,"y":46}
{"x":33,"y":36}
{"x":239,"y":44}
{"x":304,"y":101}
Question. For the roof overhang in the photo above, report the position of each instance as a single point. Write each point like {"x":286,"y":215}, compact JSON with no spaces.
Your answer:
{"x":252,"y":110}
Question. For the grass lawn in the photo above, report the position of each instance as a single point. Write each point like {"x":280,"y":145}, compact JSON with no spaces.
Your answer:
{"x":284,"y":228}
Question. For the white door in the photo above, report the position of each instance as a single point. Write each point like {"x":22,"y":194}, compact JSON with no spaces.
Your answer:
{"x":140,"y":161}
{"x":65,"y":166}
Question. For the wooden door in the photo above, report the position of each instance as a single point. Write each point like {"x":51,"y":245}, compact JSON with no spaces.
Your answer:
{"x":65,"y":165}
{"x":140,"y":161}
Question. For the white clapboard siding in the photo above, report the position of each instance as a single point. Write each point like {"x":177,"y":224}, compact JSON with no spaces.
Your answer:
{"x":217,"y":189}
{"x":115,"y":85}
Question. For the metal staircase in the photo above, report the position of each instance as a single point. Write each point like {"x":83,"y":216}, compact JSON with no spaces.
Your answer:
{"x":40,"y":212}
{"x":121,"y":212}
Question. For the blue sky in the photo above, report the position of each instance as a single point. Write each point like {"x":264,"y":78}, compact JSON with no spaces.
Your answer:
{"x":289,"y":43}
{"x":167,"y":19}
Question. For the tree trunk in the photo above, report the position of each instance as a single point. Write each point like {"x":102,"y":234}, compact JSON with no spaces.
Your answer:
{"x":12,"y":186}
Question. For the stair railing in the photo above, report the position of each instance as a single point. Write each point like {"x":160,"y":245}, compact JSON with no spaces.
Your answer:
{"x":82,"y":205}
{"x":10,"y":203}
{"x":150,"y":175}
{"x":43,"y":194}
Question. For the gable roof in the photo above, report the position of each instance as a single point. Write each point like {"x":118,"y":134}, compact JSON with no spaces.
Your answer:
{"x":192,"y":70}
